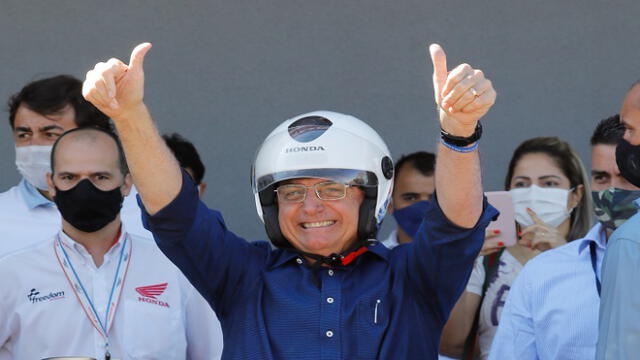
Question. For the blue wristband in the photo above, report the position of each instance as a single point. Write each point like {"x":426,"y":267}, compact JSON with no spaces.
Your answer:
{"x":460,"y":149}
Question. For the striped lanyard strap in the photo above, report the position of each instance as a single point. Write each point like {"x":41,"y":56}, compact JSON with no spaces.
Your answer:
{"x":102,"y":325}
{"x":594,"y":265}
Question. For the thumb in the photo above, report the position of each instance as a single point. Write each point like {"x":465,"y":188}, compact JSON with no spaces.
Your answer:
{"x":137,"y":56}
{"x":440,"y":73}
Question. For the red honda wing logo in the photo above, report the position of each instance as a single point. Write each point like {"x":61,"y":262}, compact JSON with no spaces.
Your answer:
{"x":152,"y":291}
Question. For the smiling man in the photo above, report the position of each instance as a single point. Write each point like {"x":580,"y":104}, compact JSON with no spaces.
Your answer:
{"x":313,"y":225}
{"x":322,"y":183}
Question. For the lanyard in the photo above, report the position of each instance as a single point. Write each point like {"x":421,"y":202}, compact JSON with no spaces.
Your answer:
{"x":85,"y":301}
{"x":594,"y":262}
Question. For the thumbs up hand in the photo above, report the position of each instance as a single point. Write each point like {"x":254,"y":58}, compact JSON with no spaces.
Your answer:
{"x":115,"y":87}
{"x":463,"y":94}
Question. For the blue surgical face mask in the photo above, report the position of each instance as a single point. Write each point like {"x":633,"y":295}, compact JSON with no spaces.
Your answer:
{"x":409,"y":218}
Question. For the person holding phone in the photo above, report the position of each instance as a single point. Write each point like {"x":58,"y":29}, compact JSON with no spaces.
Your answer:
{"x":558,"y":292}
{"x":548,"y":183}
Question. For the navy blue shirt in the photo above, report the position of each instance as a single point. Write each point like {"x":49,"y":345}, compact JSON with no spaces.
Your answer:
{"x":387,"y":304}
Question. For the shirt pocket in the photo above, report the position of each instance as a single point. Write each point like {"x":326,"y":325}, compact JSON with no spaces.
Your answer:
{"x":373,"y":320}
{"x":153,"y":332}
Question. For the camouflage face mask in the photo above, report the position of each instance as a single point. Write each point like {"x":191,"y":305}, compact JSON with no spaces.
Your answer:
{"x":614,"y":206}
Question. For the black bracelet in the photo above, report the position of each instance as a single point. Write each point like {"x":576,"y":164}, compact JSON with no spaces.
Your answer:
{"x":460,"y":140}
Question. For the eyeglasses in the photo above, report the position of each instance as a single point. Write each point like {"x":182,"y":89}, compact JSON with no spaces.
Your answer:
{"x":328,"y":190}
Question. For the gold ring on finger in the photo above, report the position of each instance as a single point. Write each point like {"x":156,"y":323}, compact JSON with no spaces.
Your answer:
{"x":474,"y":92}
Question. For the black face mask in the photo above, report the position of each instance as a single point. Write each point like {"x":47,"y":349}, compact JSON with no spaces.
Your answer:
{"x":88,"y":208}
{"x":628,"y":160}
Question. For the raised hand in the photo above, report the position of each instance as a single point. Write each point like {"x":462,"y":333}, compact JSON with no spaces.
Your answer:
{"x":463,"y":94}
{"x":541,"y":236}
{"x":115,"y":87}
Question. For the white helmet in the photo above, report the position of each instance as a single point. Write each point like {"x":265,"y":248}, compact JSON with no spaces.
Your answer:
{"x":326,"y":145}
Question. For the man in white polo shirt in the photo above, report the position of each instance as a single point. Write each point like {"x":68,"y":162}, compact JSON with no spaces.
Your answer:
{"x":38,"y":114}
{"x":93,"y":289}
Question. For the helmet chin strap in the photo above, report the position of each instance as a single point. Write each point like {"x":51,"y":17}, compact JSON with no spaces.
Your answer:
{"x":337,"y":260}
{"x":342,"y":259}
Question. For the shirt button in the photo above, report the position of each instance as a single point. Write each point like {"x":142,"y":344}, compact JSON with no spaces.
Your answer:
{"x":330,"y":272}
{"x":330,"y":300}
{"x":329,"y":333}
{"x":299,"y":261}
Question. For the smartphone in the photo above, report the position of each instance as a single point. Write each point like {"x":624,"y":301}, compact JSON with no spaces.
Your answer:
{"x":506,"y":222}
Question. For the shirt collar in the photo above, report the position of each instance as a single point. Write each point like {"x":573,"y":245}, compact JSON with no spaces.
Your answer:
{"x":79,"y":249}
{"x":380,"y":250}
{"x":285,"y":255}
{"x":32,"y":197}
{"x":596,"y":235}
{"x":392,"y":240}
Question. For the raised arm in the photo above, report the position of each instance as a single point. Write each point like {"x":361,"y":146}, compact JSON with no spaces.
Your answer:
{"x":463,"y":96}
{"x":117,"y":89}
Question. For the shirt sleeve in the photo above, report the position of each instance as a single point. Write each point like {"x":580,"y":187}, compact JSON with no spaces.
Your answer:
{"x":441,"y":256}
{"x":218,"y":263}
{"x":204,"y":334}
{"x":515,"y":337}
{"x":619,"y":318}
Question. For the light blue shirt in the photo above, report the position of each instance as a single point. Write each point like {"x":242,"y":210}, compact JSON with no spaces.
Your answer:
{"x":32,"y":196}
{"x":619,"y":329}
{"x":552,"y":309}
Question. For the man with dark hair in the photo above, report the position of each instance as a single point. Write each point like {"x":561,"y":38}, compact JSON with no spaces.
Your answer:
{"x":608,"y":131}
{"x":188,"y":158}
{"x":38,"y":114}
{"x":414,"y":184}
{"x":549,"y":321}
{"x":53,"y":96}
{"x":113,"y":293}
{"x":604,"y":171}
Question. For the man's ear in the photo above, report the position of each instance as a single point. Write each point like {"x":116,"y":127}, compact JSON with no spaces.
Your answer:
{"x":125,"y":189}
{"x":202,"y":187}
{"x":50,"y":185}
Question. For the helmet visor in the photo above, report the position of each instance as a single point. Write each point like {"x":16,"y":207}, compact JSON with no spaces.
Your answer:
{"x":346,"y":176}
